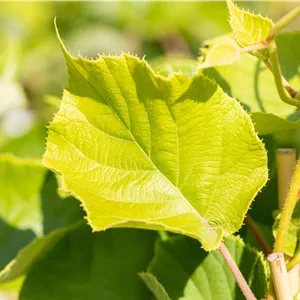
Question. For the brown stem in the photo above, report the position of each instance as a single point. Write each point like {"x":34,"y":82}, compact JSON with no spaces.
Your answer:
{"x":236,"y":273}
{"x":258,"y":235}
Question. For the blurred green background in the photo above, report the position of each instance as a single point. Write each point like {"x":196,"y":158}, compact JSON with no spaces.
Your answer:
{"x":32,"y":70}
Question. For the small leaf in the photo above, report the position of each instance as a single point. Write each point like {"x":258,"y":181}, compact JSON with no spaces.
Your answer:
{"x":155,"y":287}
{"x":86,"y":265}
{"x":142,"y":150}
{"x":248,"y":28}
{"x":20,"y":183}
{"x":187,"y":272}
{"x":221,"y":54}
{"x":293,"y":238}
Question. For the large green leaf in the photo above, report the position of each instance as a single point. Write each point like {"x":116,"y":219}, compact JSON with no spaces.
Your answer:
{"x":189,"y":273}
{"x":20,"y":183}
{"x":142,"y":150}
{"x":248,"y":28}
{"x":293,"y":237}
{"x":86,"y":265}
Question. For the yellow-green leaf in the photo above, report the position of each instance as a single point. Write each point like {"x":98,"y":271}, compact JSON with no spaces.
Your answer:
{"x":141,"y":150}
{"x":221,"y":54}
{"x":248,"y":28}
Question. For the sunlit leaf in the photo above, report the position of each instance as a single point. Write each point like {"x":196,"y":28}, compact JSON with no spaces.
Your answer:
{"x":248,"y":28}
{"x":145,"y":151}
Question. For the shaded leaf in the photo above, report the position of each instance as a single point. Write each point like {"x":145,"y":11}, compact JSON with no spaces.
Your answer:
{"x":155,"y":287}
{"x":19,"y":246}
{"x":28,"y":256}
{"x":58,"y":212}
{"x":134,"y":147}
{"x":187,"y":272}
{"x":105,"y":268}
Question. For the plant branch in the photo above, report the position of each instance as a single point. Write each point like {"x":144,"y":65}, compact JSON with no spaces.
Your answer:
{"x":258,"y":235}
{"x":278,"y":81}
{"x":287,"y":211}
{"x":284,"y":21}
{"x":294,"y":260}
{"x":236,"y":272}
{"x":279,"y":276}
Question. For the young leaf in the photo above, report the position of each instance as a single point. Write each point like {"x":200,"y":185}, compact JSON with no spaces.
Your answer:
{"x":248,"y":28}
{"x":20,"y":183}
{"x":187,"y":272}
{"x":141,"y":150}
{"x":106,"y":267}
{"x":221,"y":54}
{"x":293,"y":238}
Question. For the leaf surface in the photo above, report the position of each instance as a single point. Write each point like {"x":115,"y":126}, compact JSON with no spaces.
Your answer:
{"x":141,"y":150}
{"x":248,"y":28}
{"x":188,"y":273}
{"x":106,"y":267}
